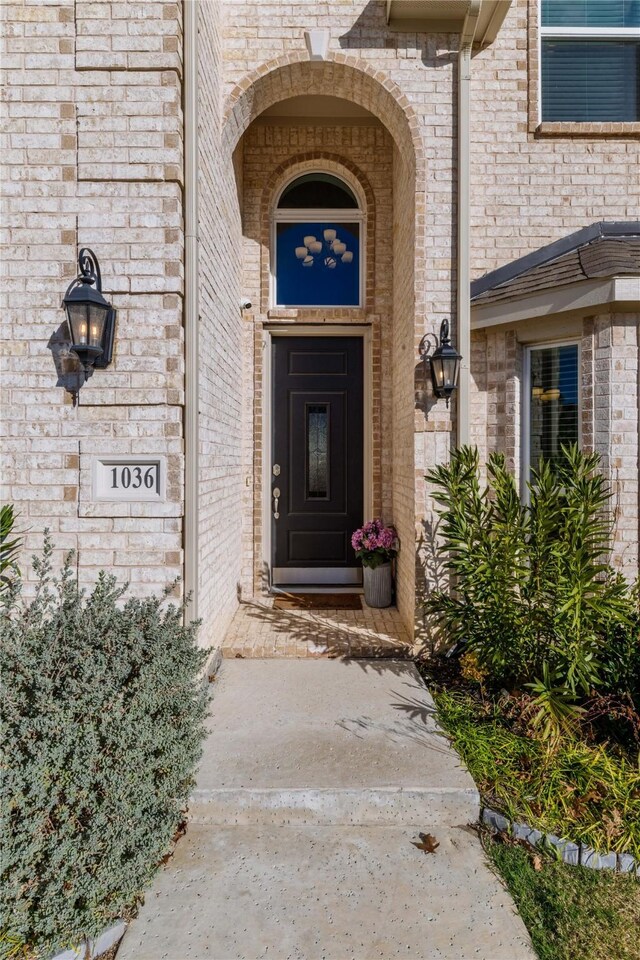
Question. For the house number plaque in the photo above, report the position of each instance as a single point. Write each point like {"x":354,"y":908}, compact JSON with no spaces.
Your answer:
{"x":129,"y":478}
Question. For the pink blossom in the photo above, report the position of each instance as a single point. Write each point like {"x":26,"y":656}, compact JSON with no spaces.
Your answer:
{"x":372,"y":536}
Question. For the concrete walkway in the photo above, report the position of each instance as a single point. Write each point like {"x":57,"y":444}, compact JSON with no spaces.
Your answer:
{"x":317,"y":777}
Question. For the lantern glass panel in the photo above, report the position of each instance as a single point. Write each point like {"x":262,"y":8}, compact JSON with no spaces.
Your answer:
{"x":86,"y":322}
{"x":437,"y":366}
{"x":97,"y":316}
{"x":450,"y":371}
{"x":77,"y":315}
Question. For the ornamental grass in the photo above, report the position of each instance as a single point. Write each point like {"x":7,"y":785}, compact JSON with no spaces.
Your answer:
{"x":584,"y":792}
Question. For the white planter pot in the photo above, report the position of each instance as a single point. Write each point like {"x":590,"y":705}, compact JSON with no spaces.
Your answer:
{"x":377,"y":585}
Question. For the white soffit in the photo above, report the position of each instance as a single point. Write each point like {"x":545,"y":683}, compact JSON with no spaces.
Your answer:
{"x":585,"y":295}
{"x":447,"y":16}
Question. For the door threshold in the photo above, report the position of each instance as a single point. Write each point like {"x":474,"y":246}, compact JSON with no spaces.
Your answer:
{"x":283,"y":588}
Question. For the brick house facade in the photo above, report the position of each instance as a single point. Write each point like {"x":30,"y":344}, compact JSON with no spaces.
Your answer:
{"x":95,"y":142}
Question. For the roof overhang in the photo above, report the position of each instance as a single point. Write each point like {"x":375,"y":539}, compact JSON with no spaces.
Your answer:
{"x":447,"y":16}
{"x":584,"y":296}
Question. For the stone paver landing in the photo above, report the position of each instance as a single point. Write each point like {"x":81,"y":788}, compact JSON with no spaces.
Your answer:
{"x":260,"y":630}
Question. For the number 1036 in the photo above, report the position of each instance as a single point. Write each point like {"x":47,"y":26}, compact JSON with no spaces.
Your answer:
{"x":135,"y":478}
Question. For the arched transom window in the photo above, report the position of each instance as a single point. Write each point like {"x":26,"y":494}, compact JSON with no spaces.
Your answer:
{"x":318,"y":244}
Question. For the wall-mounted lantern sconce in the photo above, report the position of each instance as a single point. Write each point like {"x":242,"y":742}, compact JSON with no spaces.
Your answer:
{"x":444,"y":363}
{"x":91,"y":318}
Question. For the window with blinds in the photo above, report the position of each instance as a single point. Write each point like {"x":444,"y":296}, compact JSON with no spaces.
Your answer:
{"x":590,"y":53}
{"x":553,"y":402}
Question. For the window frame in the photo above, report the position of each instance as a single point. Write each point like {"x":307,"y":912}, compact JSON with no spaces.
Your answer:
{"x":578,"y":33}
{"x":525,"y":405}
{"x":309,"y":214}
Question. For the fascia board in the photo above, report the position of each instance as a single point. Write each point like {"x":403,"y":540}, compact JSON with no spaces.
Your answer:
{"x":627,"y":290}
{"x":575,"y":296}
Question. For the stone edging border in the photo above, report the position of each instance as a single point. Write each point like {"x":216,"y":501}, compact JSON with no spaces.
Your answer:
{"x":107,"y":939}
{"x":575,"y":854}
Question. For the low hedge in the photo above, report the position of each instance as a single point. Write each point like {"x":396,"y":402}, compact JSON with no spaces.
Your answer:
{"x":103,"y":727}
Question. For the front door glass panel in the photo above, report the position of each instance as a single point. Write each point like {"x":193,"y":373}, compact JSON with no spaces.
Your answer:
{"x":317,"y":450}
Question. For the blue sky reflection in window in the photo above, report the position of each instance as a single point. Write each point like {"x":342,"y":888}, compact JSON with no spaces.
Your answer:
{"x":318,"y":264}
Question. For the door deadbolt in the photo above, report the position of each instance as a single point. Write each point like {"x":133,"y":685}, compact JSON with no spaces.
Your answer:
{"x":276,"y":469}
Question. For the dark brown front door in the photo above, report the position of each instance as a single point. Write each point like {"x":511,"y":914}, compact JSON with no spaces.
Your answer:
{"x":317,"y":458}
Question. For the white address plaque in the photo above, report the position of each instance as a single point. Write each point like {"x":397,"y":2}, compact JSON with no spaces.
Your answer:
{"x":129,"y":478}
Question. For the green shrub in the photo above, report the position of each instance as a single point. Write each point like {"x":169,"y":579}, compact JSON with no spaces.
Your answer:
{"x":535,"y":596}
{"x":103,"y":726}
{"x":10,"y":547}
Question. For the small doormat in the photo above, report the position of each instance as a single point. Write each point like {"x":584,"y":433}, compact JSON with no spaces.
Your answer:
{"x":318,"y":601}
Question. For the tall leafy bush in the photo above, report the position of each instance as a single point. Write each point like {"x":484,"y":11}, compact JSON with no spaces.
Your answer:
{"x":533,"y":592}
{"x":102,"y":729}
{"x":10,"y":546}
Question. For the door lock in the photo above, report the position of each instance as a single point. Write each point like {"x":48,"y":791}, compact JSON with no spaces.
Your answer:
{"x":276,"y":469}
{"x":276,"y":498}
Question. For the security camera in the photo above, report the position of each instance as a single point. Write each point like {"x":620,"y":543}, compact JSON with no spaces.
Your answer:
{"x":245,"y":303}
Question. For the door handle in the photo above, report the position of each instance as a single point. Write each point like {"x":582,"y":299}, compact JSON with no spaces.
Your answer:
{"x":276,"y":498}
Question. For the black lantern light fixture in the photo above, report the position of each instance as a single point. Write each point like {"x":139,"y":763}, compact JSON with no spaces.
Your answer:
{"x":445,"y":365}
{"x":90,"y":317}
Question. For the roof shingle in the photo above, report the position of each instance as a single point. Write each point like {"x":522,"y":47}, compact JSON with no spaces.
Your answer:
{"x":602,"y":250}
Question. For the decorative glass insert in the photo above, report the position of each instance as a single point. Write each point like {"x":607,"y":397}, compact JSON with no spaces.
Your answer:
{"x":553,"y":406}
{"x":318,"y":450}
{"x":590,"y":52}
{"x":319,"y":190}
{"x":318,"y":264}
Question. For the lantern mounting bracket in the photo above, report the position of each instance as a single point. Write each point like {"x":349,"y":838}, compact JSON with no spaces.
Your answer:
{"x":89,"y":271}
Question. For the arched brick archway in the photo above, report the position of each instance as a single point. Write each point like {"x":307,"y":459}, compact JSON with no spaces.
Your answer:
{"x":395,"y":296}
{"x":348,"y":78}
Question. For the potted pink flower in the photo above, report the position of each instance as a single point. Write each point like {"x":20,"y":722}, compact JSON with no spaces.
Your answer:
{"x":376,"y":545}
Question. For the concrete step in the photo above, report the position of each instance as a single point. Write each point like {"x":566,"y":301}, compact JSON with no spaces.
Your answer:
{"x":388,"y":805}
{"x":313,"y":892}
{"x":333,"y":741}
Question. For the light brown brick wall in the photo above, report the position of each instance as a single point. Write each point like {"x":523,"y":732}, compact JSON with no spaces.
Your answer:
{"x":401,"y":360}
{"x":222,"y":349}
{"x":616,"y":418}
{"x":528,"y":189}
{"x":94,"y":157}
{"x":496,"y":377}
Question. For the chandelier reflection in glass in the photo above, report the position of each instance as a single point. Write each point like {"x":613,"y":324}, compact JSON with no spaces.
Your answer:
{"x":329,"y":251}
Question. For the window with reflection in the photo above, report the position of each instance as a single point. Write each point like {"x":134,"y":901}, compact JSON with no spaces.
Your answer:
{"x":318,"y":236}
{"x":553,"y":403}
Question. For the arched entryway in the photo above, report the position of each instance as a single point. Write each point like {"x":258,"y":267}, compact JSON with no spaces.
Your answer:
{"x":355,"y":127}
